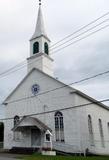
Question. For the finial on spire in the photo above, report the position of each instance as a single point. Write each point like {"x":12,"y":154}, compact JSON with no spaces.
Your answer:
{"x":40,"y":29}
{"x":39,"y":2}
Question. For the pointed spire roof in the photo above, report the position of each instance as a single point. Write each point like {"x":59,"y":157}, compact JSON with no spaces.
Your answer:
{"x":40,"y":29}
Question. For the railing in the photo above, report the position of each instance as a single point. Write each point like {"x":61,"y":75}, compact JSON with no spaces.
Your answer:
{"x":66,"y":147}
{"x":1,"y":145}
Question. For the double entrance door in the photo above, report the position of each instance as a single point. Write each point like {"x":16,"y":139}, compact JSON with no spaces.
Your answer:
{"x":35,"y":138}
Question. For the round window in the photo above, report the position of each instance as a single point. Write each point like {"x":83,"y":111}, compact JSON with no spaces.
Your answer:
{"x":35,"y":89}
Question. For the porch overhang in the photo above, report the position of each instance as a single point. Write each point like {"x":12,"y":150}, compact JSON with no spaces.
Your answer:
{"x":30,"y":122}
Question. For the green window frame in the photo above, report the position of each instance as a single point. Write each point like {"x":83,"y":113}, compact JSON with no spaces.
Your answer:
{"x":46,"y":49}
{"x":35,"y":47}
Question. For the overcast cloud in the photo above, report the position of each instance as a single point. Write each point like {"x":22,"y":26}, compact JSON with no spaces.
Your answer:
{"x":62,"y":17}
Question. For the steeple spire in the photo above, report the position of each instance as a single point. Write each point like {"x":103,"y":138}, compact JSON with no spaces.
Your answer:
{"x":40,"y":28}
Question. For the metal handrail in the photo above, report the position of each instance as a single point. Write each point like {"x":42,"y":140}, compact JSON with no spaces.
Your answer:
{"x":66,"y":147}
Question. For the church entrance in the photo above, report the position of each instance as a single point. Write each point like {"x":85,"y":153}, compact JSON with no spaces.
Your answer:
{"x":35,"y":138}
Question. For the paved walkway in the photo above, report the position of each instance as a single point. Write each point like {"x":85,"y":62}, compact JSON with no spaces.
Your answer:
{"x":5,"y":156}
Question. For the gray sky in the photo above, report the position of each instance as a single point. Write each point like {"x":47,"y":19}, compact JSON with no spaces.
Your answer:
{"x":62,"y":17}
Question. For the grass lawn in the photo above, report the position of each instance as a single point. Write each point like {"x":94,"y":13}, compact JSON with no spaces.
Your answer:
{"x":39,"y":157}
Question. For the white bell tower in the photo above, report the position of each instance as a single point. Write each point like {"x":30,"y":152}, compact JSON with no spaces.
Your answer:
{"x":39,"y":48}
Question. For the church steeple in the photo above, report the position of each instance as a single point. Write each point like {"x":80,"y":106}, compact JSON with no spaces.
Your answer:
{"x":39,"y":47}
{"x":39,"y":43}
{"x":40,"y":28}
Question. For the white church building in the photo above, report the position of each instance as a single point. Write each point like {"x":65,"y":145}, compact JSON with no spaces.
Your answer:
{"x":43,"y":112}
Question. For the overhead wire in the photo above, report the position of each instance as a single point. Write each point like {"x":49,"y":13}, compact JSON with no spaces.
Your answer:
{"x":58,"y":50}
{"x":10,"y":71}
{"x":80,"y":39}
{"x":61,"y":109}
{"x":81,"y":34}
{"x":18,"y":65}
{"x":85,"y":26}
{"x":73,"y":82}
{"x":58,"y":88}
{"x":17,"y":68}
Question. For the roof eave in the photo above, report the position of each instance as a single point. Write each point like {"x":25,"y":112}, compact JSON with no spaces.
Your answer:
{"x":42,"y":35}
{"x":94,"y":101}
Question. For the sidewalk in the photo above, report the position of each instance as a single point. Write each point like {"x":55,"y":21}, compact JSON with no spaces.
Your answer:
{"x":8,"y":156}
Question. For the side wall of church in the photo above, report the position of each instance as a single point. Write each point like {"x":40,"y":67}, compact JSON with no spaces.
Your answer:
{"x":96,"y":112}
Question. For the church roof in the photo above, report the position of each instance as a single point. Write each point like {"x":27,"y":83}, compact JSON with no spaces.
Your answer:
{"x":40,"y":28}
{"x":31,"y":122}
{"x":64,"y":86}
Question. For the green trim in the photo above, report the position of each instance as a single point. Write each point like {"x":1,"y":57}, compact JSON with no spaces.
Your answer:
{"x":35,"y":47}
{"x":46,"y":49}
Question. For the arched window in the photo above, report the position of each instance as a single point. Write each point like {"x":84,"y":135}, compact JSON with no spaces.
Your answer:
{"x":101,"y":133}
{"x":35,"y":47}
{"x":91,"y":135}
{"x":46,"y":48}
{"x":59,"y":127}
{"x":108,"y":127}
{"x":16,"y":120}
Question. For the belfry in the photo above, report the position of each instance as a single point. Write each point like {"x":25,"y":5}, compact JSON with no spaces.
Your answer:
{"x":39,"y":47}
